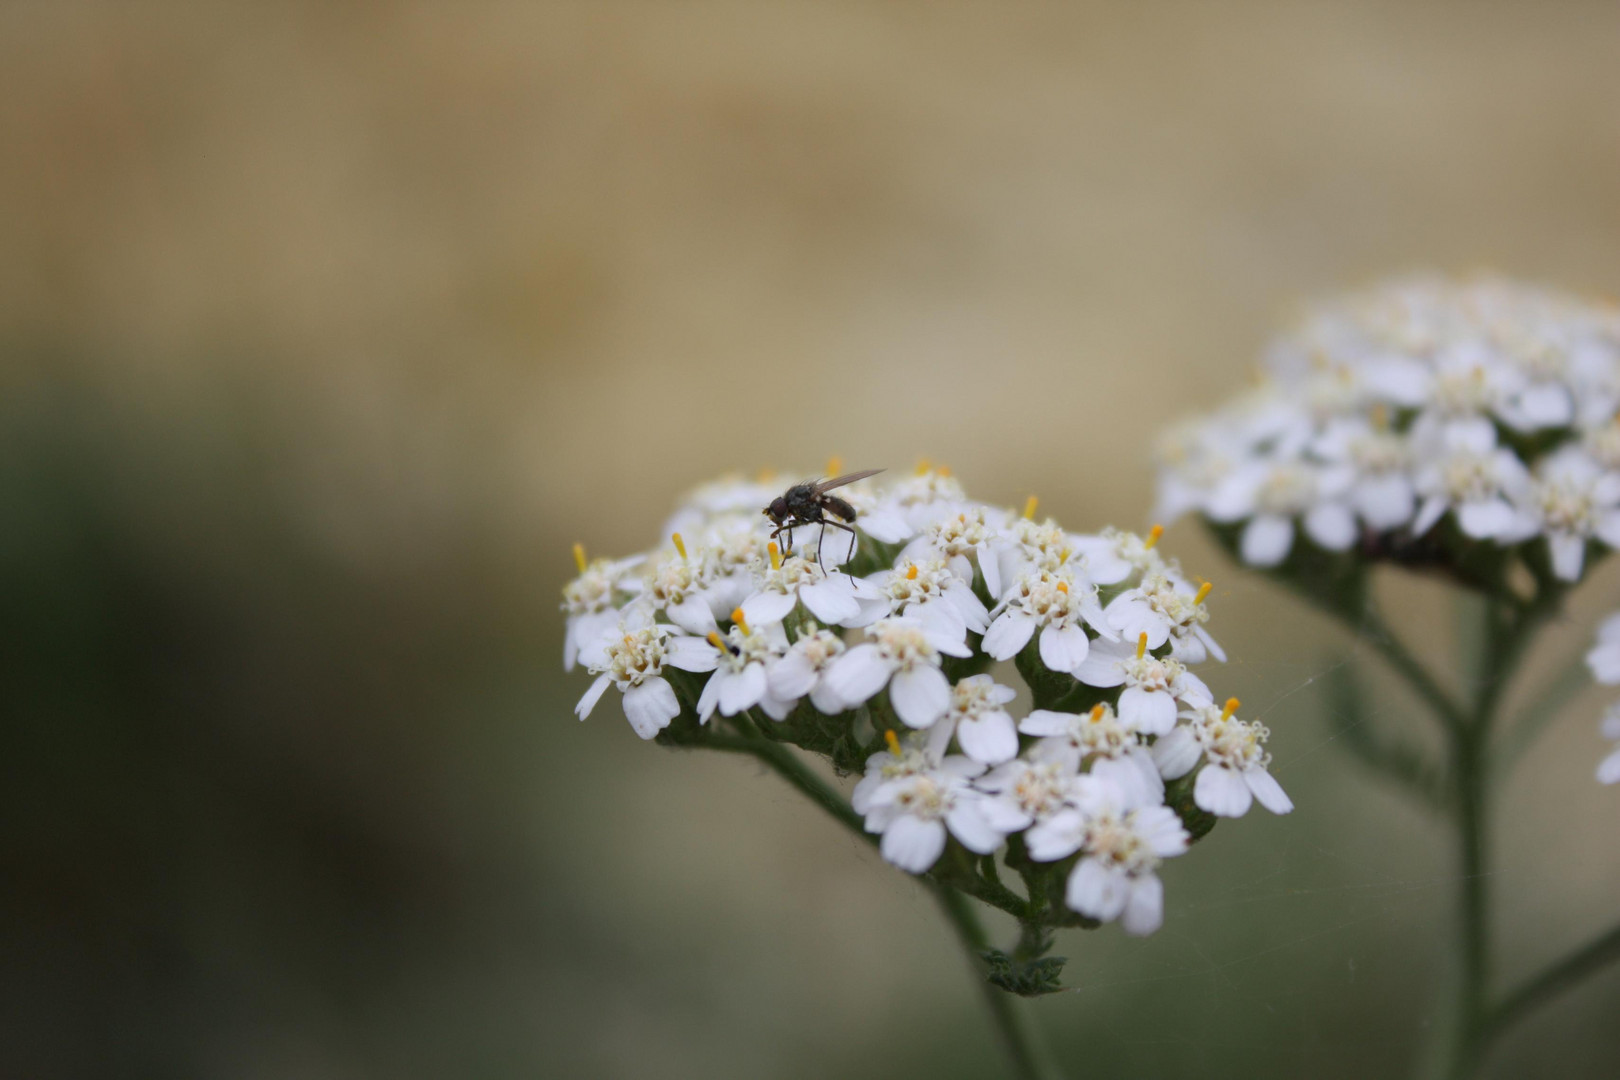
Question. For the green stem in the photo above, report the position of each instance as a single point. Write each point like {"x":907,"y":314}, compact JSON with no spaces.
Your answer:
{"x":1018,"y":1036}
{"x":1565,"y":974}
{"x":1544,"y":705}
{"x":1029,"y":1057}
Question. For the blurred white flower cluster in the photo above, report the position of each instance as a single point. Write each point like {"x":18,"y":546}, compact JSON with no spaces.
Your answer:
{"x":1604,"y":660}
{"x":884,"y":657}
{"x":1482,"y":411}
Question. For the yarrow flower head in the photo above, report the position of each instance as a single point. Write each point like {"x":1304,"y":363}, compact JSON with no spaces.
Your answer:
{"x":1414,"y":420}
{"x":897,"y":654}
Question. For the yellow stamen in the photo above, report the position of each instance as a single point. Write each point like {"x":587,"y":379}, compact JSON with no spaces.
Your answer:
{"x":1141,"y":645}
{"x":579,"y":557}
{"x":1153,"y":537}
{"x":944,"y":470}
{"x":1029,"y":508}
{"x":766,"y":475}
{"x":742,"y":623}
{"x":835,"y":465}
{"x":1203,"y":591}
{"x":893,"y":740}
{"x":923,"y":465}
{"x":911,"y":572}
{"x":714,"y":639}
{"x":680,"y":545}
{"x":1096,"y":712}
{"x":1063,"y":586}
{"x":1231,"y":707}
{"x":776,"y":556}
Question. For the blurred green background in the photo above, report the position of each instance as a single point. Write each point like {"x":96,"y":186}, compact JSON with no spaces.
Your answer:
{"x":327,"y":328}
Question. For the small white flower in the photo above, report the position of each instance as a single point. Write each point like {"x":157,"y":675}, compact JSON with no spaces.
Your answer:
{"x":1473,"y":477}
{"x":802,"y":671}
{"x":915,"y":752}
{"x":1101,"y":738}
{"x":914,"y":811}
{"x":1234,"y":772}
{"x":590,"y":603}
{"x":633,"y":659}
{"x":928,"y":591}
{"x":1056,"y":603}
{"x":833,"y":598}
{"x":1154,"y":686}
{"x":984,"y":729}
{"x":1025,"y":791}
{"x":962,"y":541}
{"x":1122,"y":844}
{"x":1381,"y":491}
{"x":1166,"y":608}
{"x":1570,"y":501}
{"x":1270,"y":494}
{"x":1114,"y":554}
{"x":743,"y":654}
{"x":902,"y":654}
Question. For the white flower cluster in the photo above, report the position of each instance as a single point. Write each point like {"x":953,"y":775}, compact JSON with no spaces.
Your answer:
{"x":1604,"y":660}
{"x":1485,"y":404}
{"x":889,"y":641}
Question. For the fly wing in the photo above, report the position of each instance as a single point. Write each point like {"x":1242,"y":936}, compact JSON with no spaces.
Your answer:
{"x":847,"y":478}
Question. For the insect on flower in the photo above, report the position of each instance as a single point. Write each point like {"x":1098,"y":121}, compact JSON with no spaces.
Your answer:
{"x":808,"y":504}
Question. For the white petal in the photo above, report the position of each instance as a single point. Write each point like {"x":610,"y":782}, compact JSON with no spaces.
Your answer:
{"x":1144,"y":908}
{"x":1434,"y":508}
{"x":651,"y":706}
{"x":791,"y":677}
{"x":885,"y":526}
{"x":709,"y":699}
{"x":741,"y":689}
{"x":829,"y":603}
{"x":1177,"y":753}
{"x":1058,"y":837}
{"x":969,"y":606}
{"x":990,"y":738}
{"x":1267,"y":539}
{"x":969,"y":826}
{"x":1568,"y":553}
{"x":1386,"y":502}
{"x":1604,"y":660}
{"x":1104,"y":663}
{"x":592,"y":696}
{"x":1008,"y":635}
{"x":1046,"y":722}
{"x":1161,"y":829}
{"x":1266,"y":789}
{"x":913,"y":844}
{"x":1152,"y":712}
{"x":990,"y":567}
{"x":770,"y":606}
{"x":857,"y":675}
{"x":1484,"y":518}
{"x":1065,"y":649}
{"x":1096,"y":890}
{"x":1331,"y":525}
{"x":690,"y":654}
{"x":1608,"y":770}
{"x":920,"y":695}
{"x":1222,"y":792}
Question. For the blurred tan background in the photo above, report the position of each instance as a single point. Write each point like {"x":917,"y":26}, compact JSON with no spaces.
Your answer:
{"x":327,"y":328}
